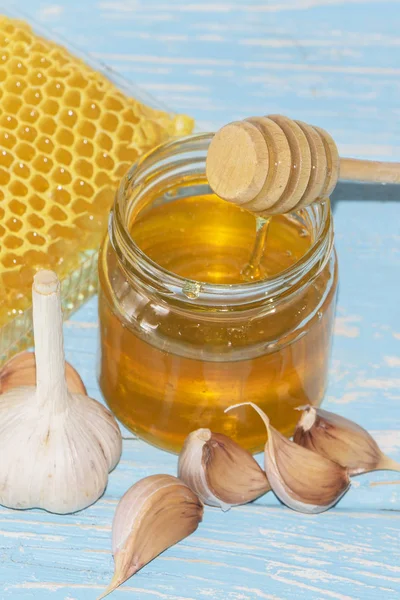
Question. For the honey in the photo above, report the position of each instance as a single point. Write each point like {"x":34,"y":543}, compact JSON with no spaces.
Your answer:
{"x":185,"y":332}
{"x":64,"y":144}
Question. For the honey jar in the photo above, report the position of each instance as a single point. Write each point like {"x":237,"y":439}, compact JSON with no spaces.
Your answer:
{"x":183,"y":333}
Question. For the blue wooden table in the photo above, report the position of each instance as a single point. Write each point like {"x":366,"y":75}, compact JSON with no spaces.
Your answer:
{"x":333,"y":63}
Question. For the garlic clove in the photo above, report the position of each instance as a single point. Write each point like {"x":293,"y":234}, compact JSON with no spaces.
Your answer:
{"x":303,"y":480}
{"x":154,"y":514}
{"x":21,"y":370}
{"x":220,"y":471}
{"x":56,"y":447}
{"x":341,"y":440}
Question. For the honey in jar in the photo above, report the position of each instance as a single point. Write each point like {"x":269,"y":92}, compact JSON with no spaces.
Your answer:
{"x":185,"y":332}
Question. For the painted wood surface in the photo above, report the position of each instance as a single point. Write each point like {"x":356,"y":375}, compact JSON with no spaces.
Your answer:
{"x":332,"y":63}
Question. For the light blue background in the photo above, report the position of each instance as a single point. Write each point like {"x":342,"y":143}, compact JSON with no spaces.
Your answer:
{"x":332,"y":63}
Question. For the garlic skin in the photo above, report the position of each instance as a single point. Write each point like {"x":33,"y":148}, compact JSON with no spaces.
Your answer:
{"x":21,"y":370}
{"x":303,"y":480}
{"x":56,"y":447}
{"x":154,"y":514}
{"x":341,"y":440}
{"x":220,"y":471}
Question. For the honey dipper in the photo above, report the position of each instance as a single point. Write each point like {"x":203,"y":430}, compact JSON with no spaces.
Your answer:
{"x":271,"y":165}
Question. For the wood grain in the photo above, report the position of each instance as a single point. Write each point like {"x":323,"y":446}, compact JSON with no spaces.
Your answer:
{"x":334,"y":64}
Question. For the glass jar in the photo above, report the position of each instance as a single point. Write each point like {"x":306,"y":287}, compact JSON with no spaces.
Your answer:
{"x":175,"y":352}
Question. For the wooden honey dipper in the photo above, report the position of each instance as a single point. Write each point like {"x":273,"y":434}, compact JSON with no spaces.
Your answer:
{"x":271,"y":165}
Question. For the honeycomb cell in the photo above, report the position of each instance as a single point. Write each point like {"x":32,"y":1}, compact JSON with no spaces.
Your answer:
{"x":20,"y":50}
{"x":109,"y":122}
{"x":25,"y":151}
{"x":129,"y":116}
{"x":35,"y":221}
{"x":11,"y":104}
{"x":91,"y":110}
{"x":39,"y":61}
{"x":14,"y":224}
{"x":81,"y":206}
{"x":17,"y":207}
{"x":89,"y":222}
{"x":4,"y":177}
{"x":8,"y":122}
{"x":58,"y":214}
{"x":35,"y":238}
{"x":4,"y":57}
{"x":65,"y":137}
{"x":61,"y":175}
{"x":127,"y":154}
{"x":68,"y":117}
{"x":16,"y":67}
{"x":77,"y":80}
{"x":23,"y":36}
{"x":63,"y":156}
{"x":102,"y":179}
{"x":3,"y":75}
{"x":17,"y":188}
{"x":37,"y":78}
{"x":72,"y":98}
{"x":104,"y":161}
{"x":7,"y":140}
{"x":83,"y":188}
{"x":26,"y":133}
{"x":28,"y":114}
{"x":105,"y":141}
{"x":84,"y":168}
{"x":50,"y":107}
{"x":113,"y":103}
{"x":36,"y":202}
{"x":84,"y":147}
{"x":87,"y":129}
{"x":15,"y":84}
{"x":45,"y":144}
{"x":12,"y":260}
{"x":32,"y":96}
{"x":61,"y":196}
{"x":21,"y":170}
{"x":47,"y":125}
{"x":39,"y":183}
{"x":6,"y":159}
{"x":12,"y":242}
{"x":125,"y":133}
{"x":94,"y":92}
{"x":42,"y":163}
{"x":55,"y":88}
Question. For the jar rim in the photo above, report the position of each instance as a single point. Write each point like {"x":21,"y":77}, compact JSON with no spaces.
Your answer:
{"x":192,"y":149}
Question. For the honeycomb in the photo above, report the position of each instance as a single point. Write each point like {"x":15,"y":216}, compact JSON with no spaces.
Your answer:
{"x":67,"y":136}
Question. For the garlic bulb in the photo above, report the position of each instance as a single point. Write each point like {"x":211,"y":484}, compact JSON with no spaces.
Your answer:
{"x":21,"y":370}
{"x":56,"y":447}
{"x":341,"y":440}
{"x":219,"y":471}
{"x":303,"y":480}
{"x":154,"y":514}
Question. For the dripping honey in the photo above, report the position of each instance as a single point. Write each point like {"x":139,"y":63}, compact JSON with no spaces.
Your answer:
{"x":167,"y":369}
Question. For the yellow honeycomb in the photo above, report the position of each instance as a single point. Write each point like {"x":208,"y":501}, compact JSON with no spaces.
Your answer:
{"x":67,"y":136}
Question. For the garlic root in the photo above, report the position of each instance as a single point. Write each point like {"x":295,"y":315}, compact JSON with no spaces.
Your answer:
{"x":21,"y":370}
{"x":220,"y":471}
{"x":303,"y":480}
{"x":56,"y":447}
{"x":154,"y":514}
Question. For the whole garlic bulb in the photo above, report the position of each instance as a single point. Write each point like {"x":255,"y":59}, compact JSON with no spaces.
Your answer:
{"x":56,"y":447}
